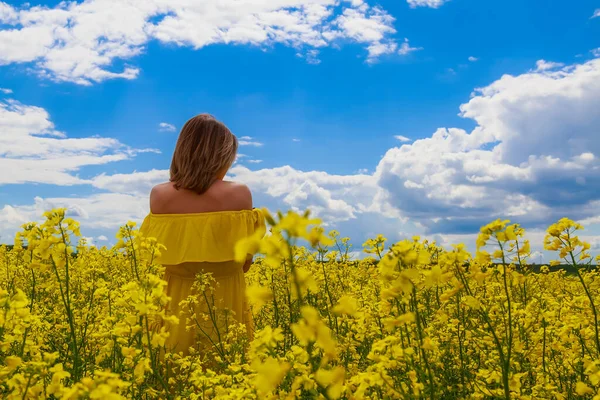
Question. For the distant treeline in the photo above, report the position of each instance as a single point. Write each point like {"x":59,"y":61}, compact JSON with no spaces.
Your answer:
{"x":531,"y":267}
{"x":534,"y":267}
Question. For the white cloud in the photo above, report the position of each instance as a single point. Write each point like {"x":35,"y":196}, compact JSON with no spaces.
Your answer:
{"x":249,"y":141}
{"x":102,"y":238}
{"x":88,"y":240}
{"x":329,"y":196}
{"x":7,"y":13}
{"x":11,"y":219}
{"x":94,"y":212}
{"x":166,"y":127}
{"x":87,"y":42}
{"x":295,"y":140}
{"x":596,"y":52}
{"x":371,"y":26}
{"x":6,"y":91}
{"x":473,"y":59}
{"x":311,"y":56}
{"x":533,"y":156}
{"x":255,"y":161}
{"x":34,"y":151}
{"x":334,"y":198}
{"x":402,"y":138}
{"x":135,"y":183}
{"x":309,"y":195}
{"x":537,"y":257}
{"x":596,"y":13}
{"x":543,"y":65}
{"x":426,"y":3}
{"x":405,"y":48}
{"x":239,"y":156}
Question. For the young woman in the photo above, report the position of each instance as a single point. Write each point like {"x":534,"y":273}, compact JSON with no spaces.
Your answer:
{"x":199,"y":217}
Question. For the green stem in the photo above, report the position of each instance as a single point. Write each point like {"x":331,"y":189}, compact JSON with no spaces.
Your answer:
{"x":506,"y":367}
{"x":591,"y":299}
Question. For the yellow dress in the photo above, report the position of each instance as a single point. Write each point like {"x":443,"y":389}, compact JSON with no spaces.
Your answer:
{"x":203,"y":242}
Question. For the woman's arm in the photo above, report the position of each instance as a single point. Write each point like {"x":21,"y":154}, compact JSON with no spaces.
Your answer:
{"x":247,"y":264}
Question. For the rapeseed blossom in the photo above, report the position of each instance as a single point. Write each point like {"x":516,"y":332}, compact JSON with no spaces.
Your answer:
{"x":412,"y":320}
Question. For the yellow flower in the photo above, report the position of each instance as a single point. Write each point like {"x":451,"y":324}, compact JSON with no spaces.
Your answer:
{"x":427,"y":344}
{"x":303,"y":332}
{"x":259,"y":295}
{"x":316,"y":237}
{"x":296,"y":225}
{"x":435,"y":276}
{"x":129,"y":352}
{"x":482,"y":239}
{"x":117,"y":303}
{"x":325,"y":340}
{"x":332,"y":379}
{"x":158,"y":339}
{"x":554,"y":263}
{"x":247,"y":246}
{"x":269,"y":374}
{"x":514,"y":382}
{"x":12,"y":362}
{"x":472,"y":302}
{"x":583,"y":389}
{"x":346,"y":305}
{"x":140,"y":370}
{"x":483,"y":257}
{"x":510,"y":232}
{"x":392,"y":322}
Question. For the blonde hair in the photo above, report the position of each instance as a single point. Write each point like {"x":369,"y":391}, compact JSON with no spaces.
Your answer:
{"x":204,"y":148}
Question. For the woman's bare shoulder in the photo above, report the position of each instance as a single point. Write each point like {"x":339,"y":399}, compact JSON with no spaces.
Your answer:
{"x":239,"y":195}
{"x":158,"y":196}
{"x":222,"y":196}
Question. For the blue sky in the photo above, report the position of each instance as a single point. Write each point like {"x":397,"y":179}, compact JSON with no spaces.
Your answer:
{"x":325,"y":99}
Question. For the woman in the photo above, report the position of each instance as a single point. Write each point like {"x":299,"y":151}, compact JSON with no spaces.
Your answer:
{"x":199,"y":217}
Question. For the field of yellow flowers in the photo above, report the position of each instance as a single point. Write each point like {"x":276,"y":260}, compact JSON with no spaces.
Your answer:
{"x":411,"y":321}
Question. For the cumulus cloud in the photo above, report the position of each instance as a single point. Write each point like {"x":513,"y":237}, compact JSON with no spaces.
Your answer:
{"x":533,"y":156}
{"x":34,"y":151}
{"x":91,"y":41}
{"x":136,"y":183}
{"x":371,"y":26}
{"x":166,"y":127}
{"x":94,"y":212}
{"x":596,"y":13}
{"x":332,"y":197}
{"x":473,"y":59}
{"x":426,"y":3}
